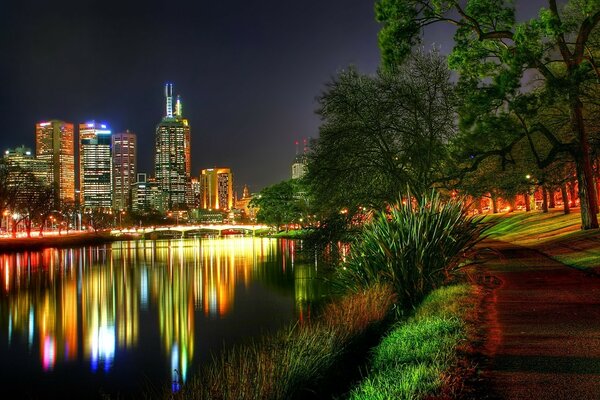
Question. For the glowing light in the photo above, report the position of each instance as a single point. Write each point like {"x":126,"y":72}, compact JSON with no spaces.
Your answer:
{"x":44,"y":123}
{"x":90,"y":124}
{"x":49,"y":353}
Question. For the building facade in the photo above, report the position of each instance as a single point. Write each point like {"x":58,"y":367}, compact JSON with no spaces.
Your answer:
{"x":216,"y":188}
{"x":55,"y":144}
{"x":23,"y":166}
{"x":145,"y":195}
{"x":124,"y":154}
{"x":172,"y":161}
{"x":95,"y":166}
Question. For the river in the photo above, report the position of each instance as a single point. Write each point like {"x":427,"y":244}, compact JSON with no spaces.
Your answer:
{"x":132,"y":317}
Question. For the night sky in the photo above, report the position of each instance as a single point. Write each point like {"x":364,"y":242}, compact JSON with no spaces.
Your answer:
{"x":248,"y":72}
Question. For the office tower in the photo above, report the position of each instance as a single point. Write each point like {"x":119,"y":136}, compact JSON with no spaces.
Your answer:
{"x":300,"y":161}
{"x":95,"y":166}
{"x":124,"y":150}
{"x":216,"y":189}
{"x":145,"y":195}
{"x":55,"y":144}
{"x":22,"y":165}
{"x":172,"y":160}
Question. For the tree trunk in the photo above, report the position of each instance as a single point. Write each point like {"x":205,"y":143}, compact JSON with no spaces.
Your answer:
{"x":565,"y":198}
{"x":572,"y":193}
{"x":480,"y":205}
{"x":551,"y":198}
{"x":527,"y":201}
{"x":544,"y":199}
{"x":494,"y":204}
{"x":585,"y":175}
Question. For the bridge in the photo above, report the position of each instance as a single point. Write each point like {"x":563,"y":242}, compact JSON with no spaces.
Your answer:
{"x":183,"y":229}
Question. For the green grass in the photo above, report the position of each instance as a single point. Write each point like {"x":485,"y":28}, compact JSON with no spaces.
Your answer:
{"x":554,"y":234}
{"x":413,"y":360}
{"x":278,"y":366}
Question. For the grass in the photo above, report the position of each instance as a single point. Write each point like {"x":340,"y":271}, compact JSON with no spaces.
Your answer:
{"x":554,"y":234}
{"x":414,"y":360}
{"x":278,"y":366}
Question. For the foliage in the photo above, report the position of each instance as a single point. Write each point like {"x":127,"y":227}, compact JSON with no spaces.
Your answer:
{"x":278,"y":366}
{"x":284,"y":203}
{"x":411,"y":361}
{"x":415,"y":247}
{"x":380,"y":133}
{"x":538,"y":76}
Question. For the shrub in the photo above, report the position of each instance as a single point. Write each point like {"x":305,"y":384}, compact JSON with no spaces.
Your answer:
{"x":414,"y":246}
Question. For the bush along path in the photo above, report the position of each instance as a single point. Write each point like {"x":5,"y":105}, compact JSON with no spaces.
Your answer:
{"x":541,"y":321}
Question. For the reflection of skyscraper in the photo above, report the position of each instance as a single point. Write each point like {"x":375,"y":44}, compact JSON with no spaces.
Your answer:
{"x":54,"y":143}
{"x":216,"y":189}
{"x":124,"y":148}
{"x":95,"y":164}
{"x":172,"y":160}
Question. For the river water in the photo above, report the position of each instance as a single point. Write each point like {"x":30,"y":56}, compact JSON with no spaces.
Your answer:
{"x":133,"y":317}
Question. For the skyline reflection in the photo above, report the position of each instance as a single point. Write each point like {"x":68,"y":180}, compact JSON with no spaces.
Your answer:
{"x":94,"y":304}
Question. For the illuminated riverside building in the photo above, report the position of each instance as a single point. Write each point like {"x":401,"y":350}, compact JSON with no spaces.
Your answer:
{"x":95,"y":166}
{"x":145,"y":194}
{"x":22,"y":162}
{"x":55,"y":144}
{"x":300,"y":162}
{"x":172,"y":160}
{"x":216,"y":189}
{"x":124,"y":150}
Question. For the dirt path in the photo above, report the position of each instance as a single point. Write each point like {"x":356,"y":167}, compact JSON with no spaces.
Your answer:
{"x":542,"y":327}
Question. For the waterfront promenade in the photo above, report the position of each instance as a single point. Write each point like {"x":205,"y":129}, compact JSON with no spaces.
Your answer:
{"x":541,"y":323}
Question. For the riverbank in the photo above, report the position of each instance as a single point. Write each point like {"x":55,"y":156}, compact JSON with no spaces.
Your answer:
{"x":73,"y":239}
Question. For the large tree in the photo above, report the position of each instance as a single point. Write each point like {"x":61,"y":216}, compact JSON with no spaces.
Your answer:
{"x":495,"y":55}
{"x":382,"y":133}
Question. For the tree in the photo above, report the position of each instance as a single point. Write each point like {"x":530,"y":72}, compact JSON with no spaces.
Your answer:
{"x":493,"y":53}
{"x":381,"y":133}
{"x":280,"y":204}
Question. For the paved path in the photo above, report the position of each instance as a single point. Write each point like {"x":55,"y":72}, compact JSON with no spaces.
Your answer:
{"x":542,"y":324}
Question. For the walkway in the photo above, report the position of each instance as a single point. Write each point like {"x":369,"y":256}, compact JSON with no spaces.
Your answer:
{"x":542,"y":324}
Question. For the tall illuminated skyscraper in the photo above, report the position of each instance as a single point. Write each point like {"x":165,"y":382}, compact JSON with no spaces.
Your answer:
{"x":124,"y":150}
{"x":172,"y":161}
{"x":55,"y":144}
{"x":95,"y":166}
{"x":216,"y":189}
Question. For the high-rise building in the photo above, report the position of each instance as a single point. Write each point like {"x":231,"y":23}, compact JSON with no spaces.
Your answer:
{"x":124,"y":151}
{"x":95,"y":166}
{"x":23,"y":165}
{"x":216,"y":189}
{"x":145,"y":196}
{"x":172,"y":161}
{"x":300,"y":161}
{"x":55,"y":144}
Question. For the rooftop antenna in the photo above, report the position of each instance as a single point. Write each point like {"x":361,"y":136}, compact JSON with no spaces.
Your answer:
{"x":305,"y":146}
{"x":296,"y":142}
{"x":178,"y":107}
{"x":169,"y":97}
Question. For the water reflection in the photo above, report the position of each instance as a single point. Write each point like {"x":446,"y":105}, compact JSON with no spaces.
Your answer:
{"x":88,"y":305}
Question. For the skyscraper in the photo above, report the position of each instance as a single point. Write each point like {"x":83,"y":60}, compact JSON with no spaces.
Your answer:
{"x":24,"y":166}
{"x":172,"y":161}
{"x":95,"y":166}
{"x":124,"y":150}
{"x":216,"y":189}
{"x":300,"y":161}
{"x":54,"y":143}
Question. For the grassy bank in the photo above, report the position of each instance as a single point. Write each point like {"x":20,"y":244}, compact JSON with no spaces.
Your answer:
{"x":554,"y":234}
{"x":295,"y":360}
{"x":415,"y":359}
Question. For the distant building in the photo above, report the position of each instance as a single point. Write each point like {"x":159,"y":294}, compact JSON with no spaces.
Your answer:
{"x":145,"y":194}
{"x":172,"y":161}
{"x":22,"y":166}
{"x":54,"y":143}
{"x":243,"y":205}
{"x":216,"y":189}
{"x":196,"y":190}
{"x":124,"y":150}
{"x":300,"y":161}
{"x":95,"y":166}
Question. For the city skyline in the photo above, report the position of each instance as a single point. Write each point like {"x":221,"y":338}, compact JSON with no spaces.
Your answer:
{"x":249,"y":74}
